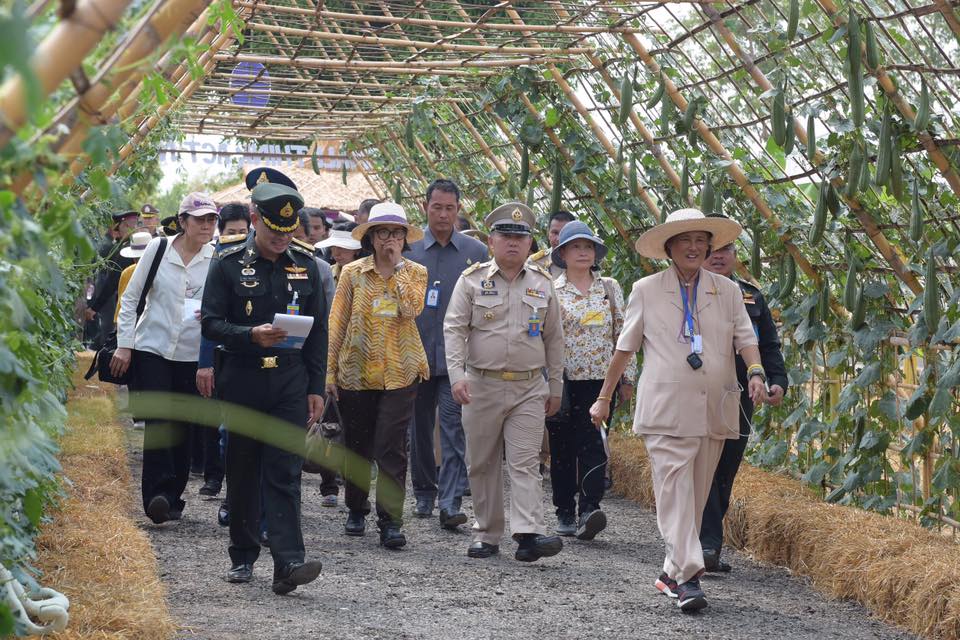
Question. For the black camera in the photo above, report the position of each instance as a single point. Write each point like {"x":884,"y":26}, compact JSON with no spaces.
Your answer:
{"x":694,"y":361}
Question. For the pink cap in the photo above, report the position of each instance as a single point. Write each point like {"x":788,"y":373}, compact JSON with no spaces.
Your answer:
{"x":197,"y":204}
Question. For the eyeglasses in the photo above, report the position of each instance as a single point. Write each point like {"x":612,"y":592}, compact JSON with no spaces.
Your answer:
{"x":384,"y":233}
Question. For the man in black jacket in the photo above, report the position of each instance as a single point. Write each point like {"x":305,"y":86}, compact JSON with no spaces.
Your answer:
{"x":108,"y":277}
{"x":722,"y":261}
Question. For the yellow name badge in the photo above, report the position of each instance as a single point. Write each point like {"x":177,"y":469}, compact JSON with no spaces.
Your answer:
{"x":385,"y":308}
{"x":592,"y":319}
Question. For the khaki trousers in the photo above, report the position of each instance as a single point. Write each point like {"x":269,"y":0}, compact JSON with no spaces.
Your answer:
{"x":505,"y":415}
{"x":683,"y":471}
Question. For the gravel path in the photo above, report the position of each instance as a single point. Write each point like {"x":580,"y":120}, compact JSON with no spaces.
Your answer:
{"x":430,"y":589}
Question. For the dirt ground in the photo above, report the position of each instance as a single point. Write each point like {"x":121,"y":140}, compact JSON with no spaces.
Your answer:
{"x":431,"y":589}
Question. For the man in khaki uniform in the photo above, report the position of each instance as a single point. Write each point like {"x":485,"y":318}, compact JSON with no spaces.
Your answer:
{"x":501,"y":329}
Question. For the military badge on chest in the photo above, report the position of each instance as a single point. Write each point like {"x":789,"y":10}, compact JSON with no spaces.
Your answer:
{"x":248,"y":278}
{"x":488,"y":288}
{"x":296,"y":273}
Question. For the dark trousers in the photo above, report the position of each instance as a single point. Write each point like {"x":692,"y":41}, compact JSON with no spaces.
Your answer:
{"x":451,"y":483}
{"x":166,"y":443}
{"x":281,"y":394}
{"x":328,"y":483}
{"x":206,"y":453}
{"x":375,"y":427}
{"x":711,"y":530}
{"x":577,"y":459}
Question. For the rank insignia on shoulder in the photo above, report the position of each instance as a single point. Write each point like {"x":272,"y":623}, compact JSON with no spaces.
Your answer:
{"x":536,"y":293}
{"x":249,"y":308}
{"x":236,"y":237}
{"x":472,"y":268}
{"x":301,"y":246}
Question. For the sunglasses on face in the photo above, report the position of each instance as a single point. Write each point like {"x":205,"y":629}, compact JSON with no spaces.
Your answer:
{"x":385,"y":233}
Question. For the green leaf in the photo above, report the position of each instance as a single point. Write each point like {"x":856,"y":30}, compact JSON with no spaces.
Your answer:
{"x":552,"y":117}
{"x":869,"y":375}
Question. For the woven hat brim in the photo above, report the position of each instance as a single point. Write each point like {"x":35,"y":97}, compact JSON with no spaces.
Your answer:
{"x":413,"y":233}
{"x":601,"y":249}
{"x":650,"y":244}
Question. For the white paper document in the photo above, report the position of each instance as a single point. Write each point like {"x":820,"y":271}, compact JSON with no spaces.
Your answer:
{"x":191,"y":306}
{"x":297,"y":328}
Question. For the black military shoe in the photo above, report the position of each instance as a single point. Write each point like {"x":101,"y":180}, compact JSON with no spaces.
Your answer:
{"x":591,"y":523}
{"x":533,"y":546}
{"x":223,"y":515}
{"x":452,"y":520}
{"x":158,"y":509}
{"x":240,"y":573}
{"x":482,"y":550}
{"x":211,"y":488}
{"x":712,"y":562}
{"x":356,"y":524}
{"x":295,"y":574}
{"x":390,"y":535}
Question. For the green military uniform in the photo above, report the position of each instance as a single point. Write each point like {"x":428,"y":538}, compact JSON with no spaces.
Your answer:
{"x":245,"y":290}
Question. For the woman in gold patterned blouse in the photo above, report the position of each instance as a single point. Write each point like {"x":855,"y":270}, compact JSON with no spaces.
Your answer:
{"x":592,"y":310}
{"x":374,"y":364}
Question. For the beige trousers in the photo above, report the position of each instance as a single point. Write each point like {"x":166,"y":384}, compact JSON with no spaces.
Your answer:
{"x":505,"y":415}
{"x":682,"y":474}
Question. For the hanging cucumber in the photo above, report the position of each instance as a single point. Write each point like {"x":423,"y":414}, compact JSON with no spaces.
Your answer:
{"x":556,"y":196}
{"x":315,"y":163}
{"x":524,"y":166}
{"x":824,"y":301}
{"x":855,"y":72}
{"x":632,"y":178}
{"x":397,"y":192}
{"x":864,"y":175}
{"x":707,"y":196}
{"x":791,"y":138}
{"x":777,"y":122}
{"x":790,"y":277}
{"x":859,"y":309}
{"x":916,"y":215}
{"x":513,"y":190}
{"x":873,"y":52}
{"x":626,"y":97}
{"x":619,"y":170}
{"x":756,"y":268}
{"x":896,"y":169}
{"x":850,"y":287}
{"x":856,"y":169}
{"x":833,"y":200}
{"x":922,"y":118}
{"x":408,"y":135}
{"x":690,"y":113}
{"x":811,"y":137}
{"x":931,"y":294}
{"x":531,"y":195}
{"x":657,"y":95}
{"x":793,"y":20}
{"x":819,"y":216}
{"x":882,"y":176}
{"x":343,"y":173}
{"x":685,"y":181}
{"x":666,"y":113}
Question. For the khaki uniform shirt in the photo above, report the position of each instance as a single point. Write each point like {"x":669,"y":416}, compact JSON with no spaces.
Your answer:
{"x":673,"y":399}
{"x":543,"y":260}
{"x":488,"y":321}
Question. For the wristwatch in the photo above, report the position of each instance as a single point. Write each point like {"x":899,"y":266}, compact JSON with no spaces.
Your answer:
{"x":757,"y":370}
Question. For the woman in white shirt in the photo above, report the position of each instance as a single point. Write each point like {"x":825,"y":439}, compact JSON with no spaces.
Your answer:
{"x":163,"y":344}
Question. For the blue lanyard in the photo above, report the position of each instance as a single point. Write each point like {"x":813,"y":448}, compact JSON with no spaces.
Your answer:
{"x":687,"y":312}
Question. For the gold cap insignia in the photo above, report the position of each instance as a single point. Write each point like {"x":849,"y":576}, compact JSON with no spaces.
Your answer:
{"x":517,"y":215}
{"x":263,"y":178}
{"x":286,"y":211}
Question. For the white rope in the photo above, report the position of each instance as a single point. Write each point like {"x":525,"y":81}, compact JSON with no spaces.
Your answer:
{"x":46,"y":605}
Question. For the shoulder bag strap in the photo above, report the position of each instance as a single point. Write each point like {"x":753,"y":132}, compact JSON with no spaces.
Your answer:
{"x":614,"y":309}
{"x":158,"y":256}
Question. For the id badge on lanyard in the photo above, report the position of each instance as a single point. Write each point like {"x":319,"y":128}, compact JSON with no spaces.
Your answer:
{"x":696,"y":340}
{"x":433,"y":295}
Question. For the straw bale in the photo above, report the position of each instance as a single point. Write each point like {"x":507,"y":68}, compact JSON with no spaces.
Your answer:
{"x":903,"y":573}
{"x":92,"y":550}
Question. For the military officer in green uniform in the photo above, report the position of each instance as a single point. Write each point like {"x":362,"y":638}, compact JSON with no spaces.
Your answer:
{"x":253,"y":278}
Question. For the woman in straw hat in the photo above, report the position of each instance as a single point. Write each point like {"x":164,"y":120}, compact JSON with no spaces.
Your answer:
{"x":374,"y":364}
{"x":689,"y":323}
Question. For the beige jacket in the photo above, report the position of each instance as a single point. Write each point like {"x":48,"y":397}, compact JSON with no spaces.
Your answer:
{"x":672,"y":398}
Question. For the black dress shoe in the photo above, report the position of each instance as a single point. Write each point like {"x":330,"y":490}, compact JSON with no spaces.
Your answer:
{"x":482,"y":550}
{"x":532,"y":547}
{"x":175,"y":514}
{"x":390,"y":536}
{"x":158,"y":509}
{"x":295,"y":574}
{"x":356,"y":524}
{"x":211,"y":488}
{"x":223,"y":515}
{"x":240,"y":573}
{"x":452,"y":520}
{"x":424,"y":508}
{"x":712,"y":562}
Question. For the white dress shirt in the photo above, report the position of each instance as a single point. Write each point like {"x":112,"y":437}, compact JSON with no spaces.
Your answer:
{"x":167,"y":327}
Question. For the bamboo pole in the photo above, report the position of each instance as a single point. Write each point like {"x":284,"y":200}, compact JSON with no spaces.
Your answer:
{"x":866,"y":220}
{"x":332,"y":96}
{"x":430,"y":66}
{"x":406,"y":21}
{"x":60,"y":53}
{"x":429,"y":46}
{"x":948,"y":14}
{"x":885,"y":82}
{"x":484,"y":147}
{"x":376,"y":187}
{"x":310,"y":81}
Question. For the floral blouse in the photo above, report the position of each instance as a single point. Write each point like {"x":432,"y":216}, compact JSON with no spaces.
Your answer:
{"x":590,"y":328}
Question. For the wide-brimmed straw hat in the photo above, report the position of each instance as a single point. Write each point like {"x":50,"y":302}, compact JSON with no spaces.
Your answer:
{"x":388,"y":214}
{"x":341,"y":239}
{"x":723,"y":231}
{"x":138,"y":244}
{"x":576,"y":230}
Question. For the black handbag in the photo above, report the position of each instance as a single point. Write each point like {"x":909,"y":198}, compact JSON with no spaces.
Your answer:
{"x":321,"y":451}
{"x":101,"y":361}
